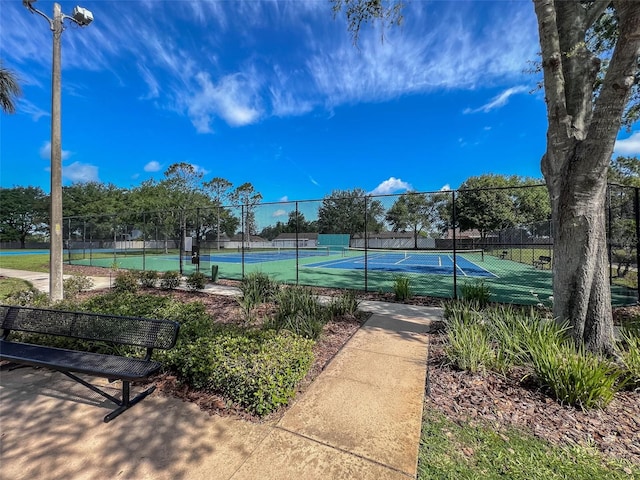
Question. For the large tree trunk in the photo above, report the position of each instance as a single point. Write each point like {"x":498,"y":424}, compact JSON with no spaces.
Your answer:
{"x":580,"y":268}
{"x":580,"y":140}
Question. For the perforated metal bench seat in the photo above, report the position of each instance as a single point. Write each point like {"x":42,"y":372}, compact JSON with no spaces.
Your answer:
{"x":144,"y":333}
{"x":96,"y":364}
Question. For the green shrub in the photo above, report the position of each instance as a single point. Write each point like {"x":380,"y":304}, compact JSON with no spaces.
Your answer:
{"x":257,"y":369}
{"x":345,"y":304}
{"x":402,"y":288}
{"x":196,"y":281}
{"x":477,"y":292}
{"x":129,"y":304}
{"x":170,"y":280}
{"x":31,"y":297}
{"x":148,"y":278}
{"x":300,"y":312}
{"x":630,"y":356}
{"x":75,"y":284}
{"x":126,"y":281}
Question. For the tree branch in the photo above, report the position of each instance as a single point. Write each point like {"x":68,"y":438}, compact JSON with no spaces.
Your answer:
{"x":617,"y":84}
{"x":595,"y":11}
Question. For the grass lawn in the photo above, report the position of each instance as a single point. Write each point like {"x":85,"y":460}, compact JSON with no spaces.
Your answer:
{"x":472,"y":451}
{"x":10,"y":286}
{"x":32,"y":263}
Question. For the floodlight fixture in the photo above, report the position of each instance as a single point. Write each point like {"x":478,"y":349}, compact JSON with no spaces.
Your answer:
{"x":82,"y":16}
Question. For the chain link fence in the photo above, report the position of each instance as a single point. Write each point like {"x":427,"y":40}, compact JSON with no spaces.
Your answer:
{"x":437,"y":241}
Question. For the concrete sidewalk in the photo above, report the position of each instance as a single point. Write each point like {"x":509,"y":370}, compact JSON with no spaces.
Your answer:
{"x":360,"y":419}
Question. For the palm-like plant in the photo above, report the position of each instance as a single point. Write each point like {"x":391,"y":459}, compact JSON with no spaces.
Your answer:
{"x":9,"y":90}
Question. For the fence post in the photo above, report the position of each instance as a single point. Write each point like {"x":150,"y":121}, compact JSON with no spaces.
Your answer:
{"x":297,"y":245}
{"x":454,"y":222}
{"x":182,"y":234}
{"x":243,"y":224}
{"x":69,"y":240}
{"x":144,"y":241}
{"x":366,"y":248}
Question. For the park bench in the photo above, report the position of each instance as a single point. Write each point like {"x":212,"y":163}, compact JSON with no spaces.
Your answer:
{"x":542,"y":261}
{"x":504,"y":254}
{"x":145,"y":333}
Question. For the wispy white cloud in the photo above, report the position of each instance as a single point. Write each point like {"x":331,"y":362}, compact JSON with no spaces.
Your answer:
{"x":441,"y":51}
{"x":191,"y":72}
{"x":391,"y":185}
{"x":499,"y":100}
{"x":628,"y":146}
{"x":80,"y":172}
{"x":45,"y":151}
{"x":31,"y":109}
{"x":149,"y":78}
{"x":279,"y":213}
{"x":152,"y":166}
{"x":284,"y":199}
{"x":313,"y":180}
{"x":234,"y":98}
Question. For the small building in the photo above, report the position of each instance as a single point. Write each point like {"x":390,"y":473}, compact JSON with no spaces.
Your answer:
{"x":392,"y":240}
{"x":293,"y":240}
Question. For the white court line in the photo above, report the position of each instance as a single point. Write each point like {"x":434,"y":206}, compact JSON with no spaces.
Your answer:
{"x":475,"y":265}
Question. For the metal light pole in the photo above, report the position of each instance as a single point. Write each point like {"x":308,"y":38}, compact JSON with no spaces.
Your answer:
{"x":83,"y":18}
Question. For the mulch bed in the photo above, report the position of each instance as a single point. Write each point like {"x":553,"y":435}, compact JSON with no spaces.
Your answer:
{"x":508,"y":402}
{"x":502,"y":401}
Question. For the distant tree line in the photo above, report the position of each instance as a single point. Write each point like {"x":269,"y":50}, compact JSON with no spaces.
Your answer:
{"x":184,"y":203}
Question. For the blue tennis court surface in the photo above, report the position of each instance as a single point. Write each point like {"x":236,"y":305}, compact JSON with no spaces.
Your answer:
{"x":411,"y":262}
{"x":23,"y":252}
{"x":262,"y":256}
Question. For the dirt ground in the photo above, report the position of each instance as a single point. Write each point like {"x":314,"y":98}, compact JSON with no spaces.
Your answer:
{"x":502,"y":401}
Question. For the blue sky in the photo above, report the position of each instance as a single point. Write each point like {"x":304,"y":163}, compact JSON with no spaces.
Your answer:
{"x":274,"y":93}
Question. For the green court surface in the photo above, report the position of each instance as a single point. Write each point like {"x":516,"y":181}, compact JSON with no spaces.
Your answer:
{"x":510,"y":281}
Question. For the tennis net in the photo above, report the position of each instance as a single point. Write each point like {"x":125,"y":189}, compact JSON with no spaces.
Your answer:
{"x":473,"y":255}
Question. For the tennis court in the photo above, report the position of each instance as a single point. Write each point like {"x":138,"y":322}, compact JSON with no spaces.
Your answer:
{"x":467,"y":263}
{"x":431,"y":272}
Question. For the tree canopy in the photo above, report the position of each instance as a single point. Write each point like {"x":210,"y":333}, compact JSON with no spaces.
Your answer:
{"x":23,"y":212}
{"x":344,"y":211}
{"x":9,"y":90}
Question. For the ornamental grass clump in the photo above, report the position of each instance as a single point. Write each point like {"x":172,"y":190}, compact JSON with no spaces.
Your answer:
{"x":477,"y":291}
{"x":575,"y":376}
{"x":402,"y":288}
{"x":258,"y":287}
{"x":345,"y":304}
{"x":630,"y":356}
{"x":300,"y":312}
{"x":468,"y":346}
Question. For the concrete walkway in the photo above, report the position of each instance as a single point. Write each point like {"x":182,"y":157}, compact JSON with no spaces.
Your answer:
{"x":360,"y":419}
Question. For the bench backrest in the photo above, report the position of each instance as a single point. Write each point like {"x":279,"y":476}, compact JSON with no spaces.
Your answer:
{"x":544,"y":258}
{"x":140,"y":332}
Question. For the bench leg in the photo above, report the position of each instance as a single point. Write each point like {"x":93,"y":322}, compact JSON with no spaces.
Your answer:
{"x":127,"y":402}
{"x":123,"y":403}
